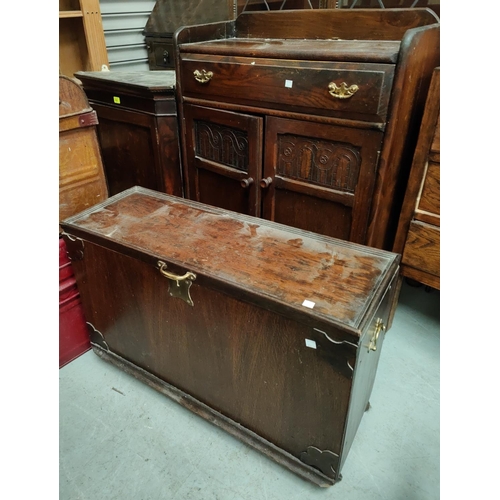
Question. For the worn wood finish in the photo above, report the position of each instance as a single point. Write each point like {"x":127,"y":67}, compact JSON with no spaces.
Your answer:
{"x":241,"y":348}
{"x":138,"y":130}
{"x":282,"y":65}
{"x":216,"y":418}
{"x":422,"y":247}
{"x":263,"y":83}
{"x":318,"y":50}
{"x":418,"y":234}
{"x":82,"y":181}
{"x":322,"y":177}
{"x":346,"y":24}
{"x":419,"y":56}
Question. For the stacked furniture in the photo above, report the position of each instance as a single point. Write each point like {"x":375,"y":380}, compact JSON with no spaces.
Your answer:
{"x":418,"y":236}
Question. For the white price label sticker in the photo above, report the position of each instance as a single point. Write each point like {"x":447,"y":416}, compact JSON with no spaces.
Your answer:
{"x":308,"y":303}
{"x":288,"y":84}
{"x":311,"y":343}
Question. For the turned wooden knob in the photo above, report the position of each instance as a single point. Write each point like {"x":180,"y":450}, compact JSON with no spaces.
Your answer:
{"x":264,"y":183}
{"x":246,"y":182}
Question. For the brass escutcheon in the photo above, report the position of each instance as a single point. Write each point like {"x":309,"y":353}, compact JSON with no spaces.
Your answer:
{"x":342,"y":91}
{"x":379,"y":327}
{"x":202,"y":76}
{"x":178,"y":285}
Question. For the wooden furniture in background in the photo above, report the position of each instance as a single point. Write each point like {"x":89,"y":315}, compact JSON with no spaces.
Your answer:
{"x":418,"y":236}
{"x":169,"y":15}
{"x":82,"y":181}
{"x":307,"y":117}
{"x":138,"y":131}
{"x":81,"y":38}
{"x":270,"y":332}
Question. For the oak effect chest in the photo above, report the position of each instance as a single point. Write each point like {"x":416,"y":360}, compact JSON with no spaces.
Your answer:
{"x":270,"y":332}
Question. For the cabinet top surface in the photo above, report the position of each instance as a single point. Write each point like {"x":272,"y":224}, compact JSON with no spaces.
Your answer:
{"x":152,"y":80}
{"x":289,"y":266}
{"x":330,"y":49}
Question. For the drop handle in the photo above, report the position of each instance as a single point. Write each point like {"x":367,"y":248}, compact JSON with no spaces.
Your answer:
{"x":246,"y":183}
{"x":379,"y":327}
{"x":202,"y":76}
{"x":264,"y":183}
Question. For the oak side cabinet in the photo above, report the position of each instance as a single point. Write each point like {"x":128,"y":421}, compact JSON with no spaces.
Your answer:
{"x":138,"y":130}
{"x":308,"y":118}
{"x":418,"y":235}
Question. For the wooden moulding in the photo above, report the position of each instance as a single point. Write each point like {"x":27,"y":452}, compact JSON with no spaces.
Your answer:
{"x":246,"y":436}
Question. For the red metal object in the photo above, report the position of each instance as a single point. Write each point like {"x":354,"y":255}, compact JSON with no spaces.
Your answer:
{"x":73,"y":335}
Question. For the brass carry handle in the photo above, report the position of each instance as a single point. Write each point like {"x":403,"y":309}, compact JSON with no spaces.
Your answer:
{"x":163,"y":270}
{"x":342,"y":91}
{"x":379,"y":327}
{"x":202,"y":76}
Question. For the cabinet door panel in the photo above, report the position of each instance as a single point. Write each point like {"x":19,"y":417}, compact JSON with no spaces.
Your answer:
{"x":127,"y":147}
{"x":223,"y":158}
{"x":320,"y":177}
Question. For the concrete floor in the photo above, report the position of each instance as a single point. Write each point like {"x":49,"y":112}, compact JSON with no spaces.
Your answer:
{"x":120,"y":439}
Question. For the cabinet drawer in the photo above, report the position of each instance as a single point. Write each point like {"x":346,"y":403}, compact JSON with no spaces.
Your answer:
{"x":355,"y":90}
{"x":422,"y":248}
{"x":429,"y":199}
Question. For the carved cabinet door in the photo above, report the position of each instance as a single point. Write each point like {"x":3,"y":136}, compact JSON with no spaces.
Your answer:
{"x":223,"y":158}
{"x":319,"y":177}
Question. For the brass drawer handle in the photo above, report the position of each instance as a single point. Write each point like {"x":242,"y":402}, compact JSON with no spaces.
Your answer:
{"x":202,"y":76}
{"x":342,"y":91}
{"x":379,"y":327}
{"x":178,"y":285}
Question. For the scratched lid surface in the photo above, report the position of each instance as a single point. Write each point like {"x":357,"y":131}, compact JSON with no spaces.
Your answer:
{"x":334,"y":279}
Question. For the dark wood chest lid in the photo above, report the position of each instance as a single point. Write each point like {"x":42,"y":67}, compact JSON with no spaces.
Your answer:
{"x":295,"y":270}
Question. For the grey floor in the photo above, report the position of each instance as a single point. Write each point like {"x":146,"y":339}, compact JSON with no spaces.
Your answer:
{"x":120,"y":439}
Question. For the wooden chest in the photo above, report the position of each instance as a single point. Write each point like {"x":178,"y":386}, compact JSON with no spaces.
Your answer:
{"x":270,"y":332}
{"x":138,"y":130}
